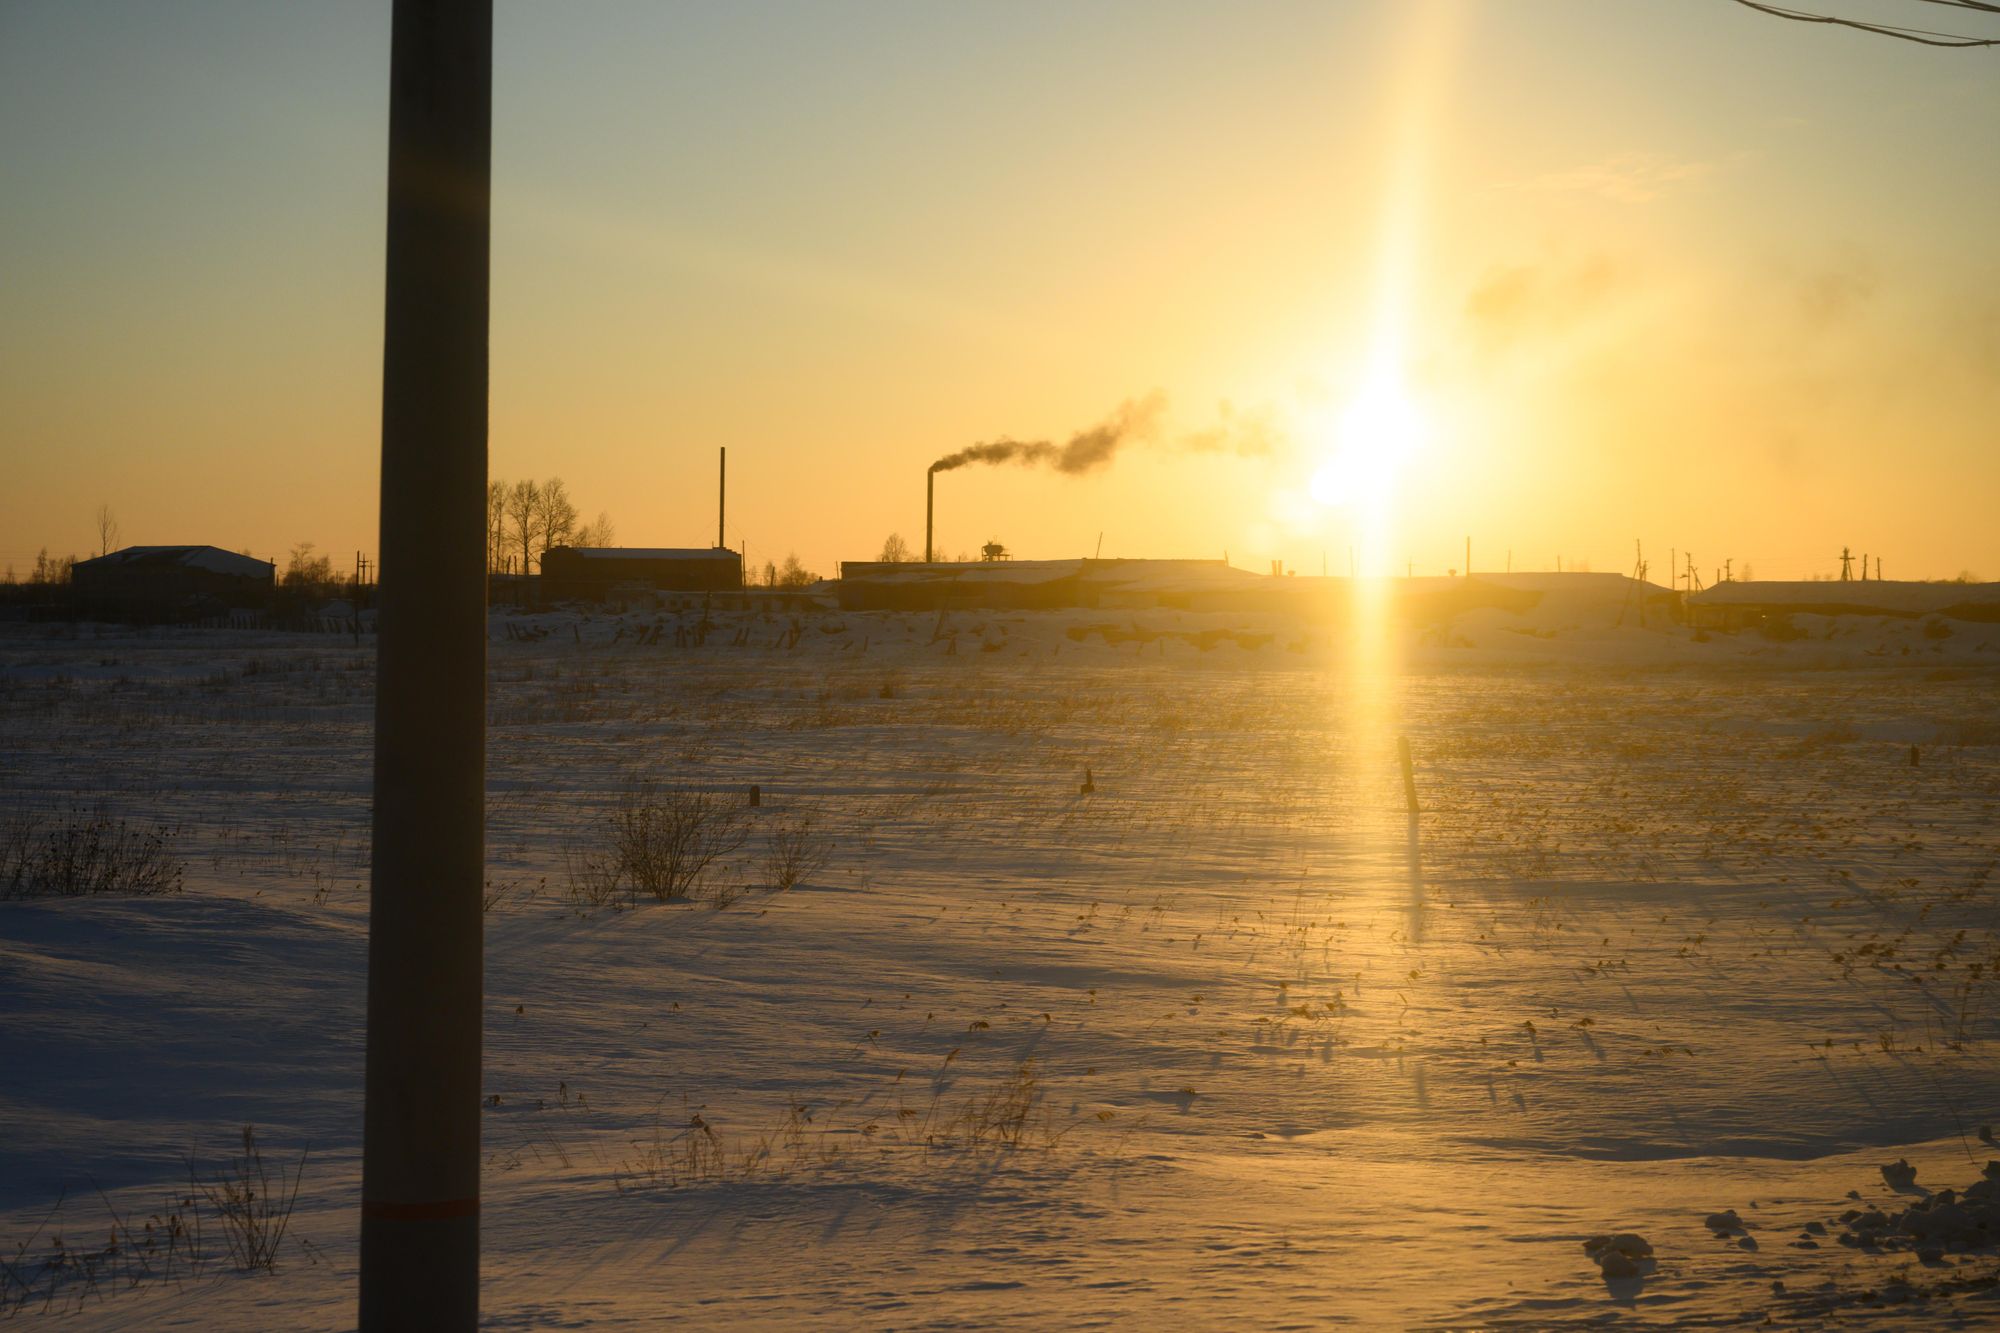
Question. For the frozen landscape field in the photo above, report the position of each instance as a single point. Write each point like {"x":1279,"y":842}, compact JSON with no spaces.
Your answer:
{"x":1682,"y":929}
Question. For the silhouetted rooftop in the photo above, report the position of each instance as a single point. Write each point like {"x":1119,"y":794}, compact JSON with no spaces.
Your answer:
{"x":211,"y":558}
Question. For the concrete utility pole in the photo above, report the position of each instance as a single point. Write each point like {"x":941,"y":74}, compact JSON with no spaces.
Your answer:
{"x":420,"y":1146}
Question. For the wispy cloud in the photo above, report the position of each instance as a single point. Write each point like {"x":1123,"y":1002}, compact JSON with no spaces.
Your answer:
{"x":1627,"y":178}
{"x":1836,"y":290}
{"x":1543,"y":298}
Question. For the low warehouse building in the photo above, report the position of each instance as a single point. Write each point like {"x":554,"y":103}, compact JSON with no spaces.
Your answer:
{"x":590,"y":573}
{"x":870,"y":585}
{"x":172,"y":582}
{"x":1746,"y":605}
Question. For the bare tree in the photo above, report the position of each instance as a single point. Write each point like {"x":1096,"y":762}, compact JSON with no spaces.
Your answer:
{"x":793,"y":574}
{"x":895,"y":550}
{"x":598,"y":533}
{"x":1909,"y":34}
{"x":107,"y":529}
{"x":524,"y":515}
{"x":527,"y":517}
{"x":308,"y":573}
{"x":496,"y":525}
{"x":557,"y":514}
{"x":52,"y":569}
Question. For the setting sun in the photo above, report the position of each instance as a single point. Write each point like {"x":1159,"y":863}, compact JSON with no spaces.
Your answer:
{"x":1373,"y":443}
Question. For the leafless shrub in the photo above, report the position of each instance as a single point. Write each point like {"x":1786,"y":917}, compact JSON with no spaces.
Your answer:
{"x":690,"y":1155}
{"x":668,"y":838}
{"x":1001,"y":1116}
{"x":795,"y":851}
{"x":593,"y":874}
{"x":254,"y":1216}
{"x":658,"y":841}
{"x":58,"y":1275}
{"x":498,"y":893}
{"x":51,"y":1272}
{"x":86,"y":852}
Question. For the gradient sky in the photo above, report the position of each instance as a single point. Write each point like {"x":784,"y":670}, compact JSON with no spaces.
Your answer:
{"x":1657,"y":269}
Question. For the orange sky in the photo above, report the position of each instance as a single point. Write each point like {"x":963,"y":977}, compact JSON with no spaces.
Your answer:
{"x":1673,"y":272}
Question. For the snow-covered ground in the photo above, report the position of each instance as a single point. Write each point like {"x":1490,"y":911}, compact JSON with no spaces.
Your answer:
{"x":1229,"y":1039}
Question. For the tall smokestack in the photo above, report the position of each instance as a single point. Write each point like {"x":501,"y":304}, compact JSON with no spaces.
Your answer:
{"x":721,"y":499}
{"x":930,"y":494}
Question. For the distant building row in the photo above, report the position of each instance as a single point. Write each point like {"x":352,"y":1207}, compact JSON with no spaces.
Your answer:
{"x":192,"y":582}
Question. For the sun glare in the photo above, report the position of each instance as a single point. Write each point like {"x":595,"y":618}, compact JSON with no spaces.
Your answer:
{"x":1373,"y":443}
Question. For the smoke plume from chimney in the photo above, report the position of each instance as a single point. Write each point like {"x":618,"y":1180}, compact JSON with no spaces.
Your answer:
{"x":1246,"y":434}
{"x":1085,"y":451}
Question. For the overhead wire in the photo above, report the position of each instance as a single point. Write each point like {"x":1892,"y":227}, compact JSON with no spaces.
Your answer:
{"x":1925,"y":36}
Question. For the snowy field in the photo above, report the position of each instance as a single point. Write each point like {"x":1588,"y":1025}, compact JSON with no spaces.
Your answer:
{"x":1228,"y":1040}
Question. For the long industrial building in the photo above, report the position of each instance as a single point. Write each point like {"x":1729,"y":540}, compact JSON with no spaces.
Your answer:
{"x":591,"y":573}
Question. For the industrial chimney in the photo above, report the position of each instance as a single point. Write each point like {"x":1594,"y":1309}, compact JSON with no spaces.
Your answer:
{"x":930,"y":489}
{"x":722,"y":500}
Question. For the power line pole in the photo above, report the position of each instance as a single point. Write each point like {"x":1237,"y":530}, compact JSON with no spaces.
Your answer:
{"x":420,"y":1145}
{"x":1635,"y":586}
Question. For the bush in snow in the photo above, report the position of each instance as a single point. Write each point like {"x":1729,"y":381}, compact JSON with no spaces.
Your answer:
{"x":255,"y":1213}
{"x":658,"y":841}
{"x":86,"y":852}
{"x":794,"y":851}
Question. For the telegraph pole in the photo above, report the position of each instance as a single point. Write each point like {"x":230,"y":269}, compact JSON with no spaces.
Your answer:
{"x":420,"y":1145}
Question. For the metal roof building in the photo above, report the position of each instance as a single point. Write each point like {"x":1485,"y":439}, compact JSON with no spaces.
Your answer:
{"x":166,"y":581}
{"x":589,"y":573}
